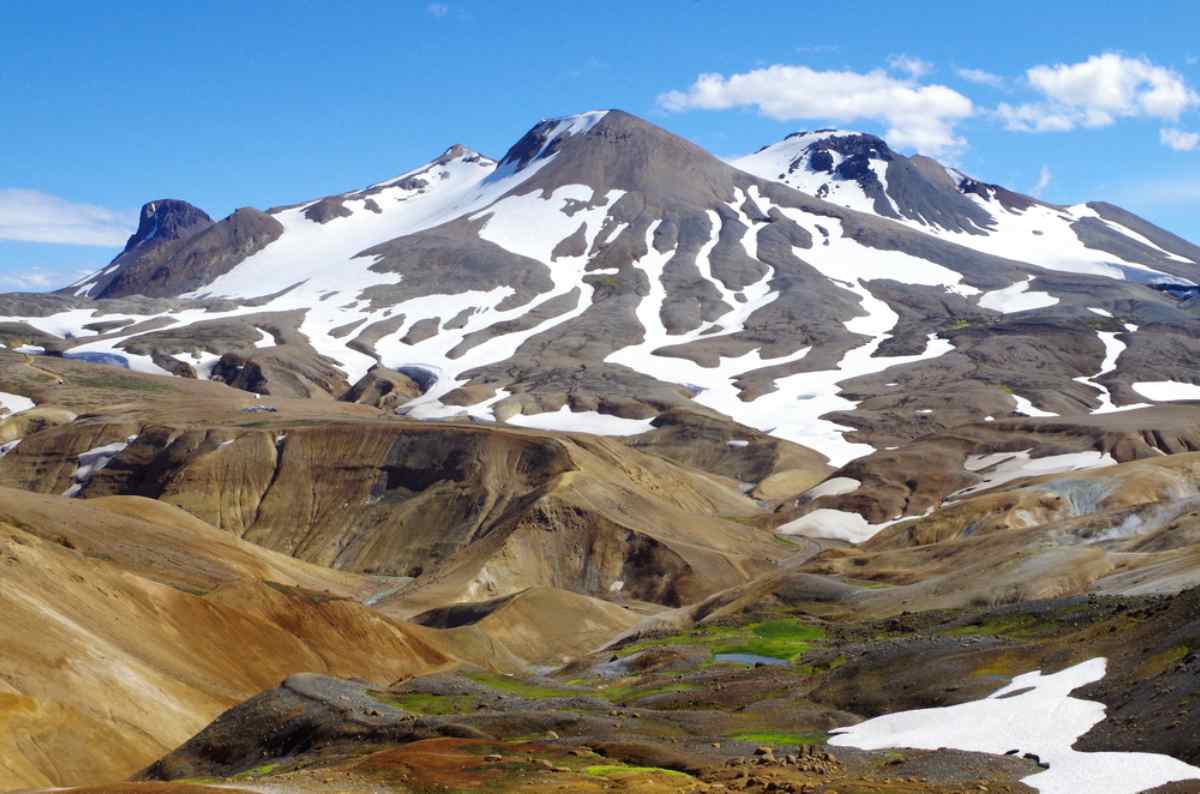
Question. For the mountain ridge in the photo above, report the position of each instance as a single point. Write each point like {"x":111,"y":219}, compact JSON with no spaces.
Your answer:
{"x":604,"y":267}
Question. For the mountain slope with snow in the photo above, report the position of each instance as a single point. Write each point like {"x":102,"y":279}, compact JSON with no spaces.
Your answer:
{"x":826,"y":290}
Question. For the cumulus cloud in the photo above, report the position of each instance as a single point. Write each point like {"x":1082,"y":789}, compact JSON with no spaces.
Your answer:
{"x":1044,"y":179}
{"x":918,"y":116}
{"x":980,"y":77}
{"x":1097,"y":92}
{"x":438,"y":9}
{"x":1179,"y":140}
{"x":912,"y":66}
{"x":33,"y":216}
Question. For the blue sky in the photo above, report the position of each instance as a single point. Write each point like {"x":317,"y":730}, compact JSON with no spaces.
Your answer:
{"x":106,"y":106}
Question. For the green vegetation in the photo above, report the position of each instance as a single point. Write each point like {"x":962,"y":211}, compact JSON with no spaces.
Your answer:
{"x":779,"y":738}
{"x":958,"y":325}
{"x":632,"y":692}
{"x":1016,"y":627}
{"x":778,"y":639}
{"x":606,"y":280}
{"x":259,"y":771}
{"x":608,"y":770}
{"x":782,"y":638}
{"x":519,"y":688}
{"x":1159,"y":663}
{"x":424,"y":703}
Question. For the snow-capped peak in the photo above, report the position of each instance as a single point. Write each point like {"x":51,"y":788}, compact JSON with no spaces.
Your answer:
{"x":842,"y":166}
{"x":456,"y":157}
{"x":545,"y":138}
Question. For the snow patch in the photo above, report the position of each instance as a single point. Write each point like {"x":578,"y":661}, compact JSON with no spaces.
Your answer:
{"x":1016,"y":298}
{"x":1035,"y":713}
{"x":834,"y":486}
{"x":92,"y":461}
{"x":1028,"y":408}
{"x":583,"y":422}
{"x":1167,"y":390}
{"x":1113,"y":347}
{"x":15,"y":403}
{"x":1002,"y":467}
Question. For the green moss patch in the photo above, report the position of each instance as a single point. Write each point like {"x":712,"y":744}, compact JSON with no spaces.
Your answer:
{"x":424,"y":703}
{"x":615,"y":770}
{"x":778,"y":639}
{"x":632,"y":692}
{"x":782,"y":638}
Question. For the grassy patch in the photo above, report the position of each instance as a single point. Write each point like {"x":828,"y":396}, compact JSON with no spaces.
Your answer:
{"x":632,"y":692}
{"x":779,"y":738}
{"x":958,"y":325}
{"x":1011,"y":626}
{"x":259,"y":771}
{"x":783,"y":638}
{"x":424,"y":703}
{"x":519,"y":688}
{"x":778,"y":639}
{"x":1159,"y":663}
{"x":611,"y":770}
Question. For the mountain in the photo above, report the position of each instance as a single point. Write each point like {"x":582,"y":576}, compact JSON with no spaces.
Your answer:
{"x":825,"y":289}
{"x":861,"y":172}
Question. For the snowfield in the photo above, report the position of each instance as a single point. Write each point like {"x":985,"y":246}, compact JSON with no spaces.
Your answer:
{"x":1167,"y":390}
{"x":1035,"y":713}
{"x":1002,"y":467}
{"x":1017,"y":298}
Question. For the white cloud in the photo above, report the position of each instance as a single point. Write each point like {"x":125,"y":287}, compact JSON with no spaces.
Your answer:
{"x":912,"y":66}
{"x":919,"y":116}
{"x":980,"y":77}
{"x":1097,"y":92}
{"x":1033,"y":117}
{"x":33,"y":216}
{"x":38,"y":279}
{"x":1044,"y":179}
{"x":35,"y":279}
{"x":1179,"y":140}
{"x":438,"y":9}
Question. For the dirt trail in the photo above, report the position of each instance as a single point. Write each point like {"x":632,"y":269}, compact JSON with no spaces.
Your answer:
{"x":57,"y":376}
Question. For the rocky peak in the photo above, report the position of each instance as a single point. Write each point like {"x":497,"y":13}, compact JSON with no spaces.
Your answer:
{"x":544,"y":139}
{"x":167,"y":219}
{"x":460,"y":152}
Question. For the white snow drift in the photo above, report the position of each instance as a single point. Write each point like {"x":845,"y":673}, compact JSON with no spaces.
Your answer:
{"x":1035,"y":713}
